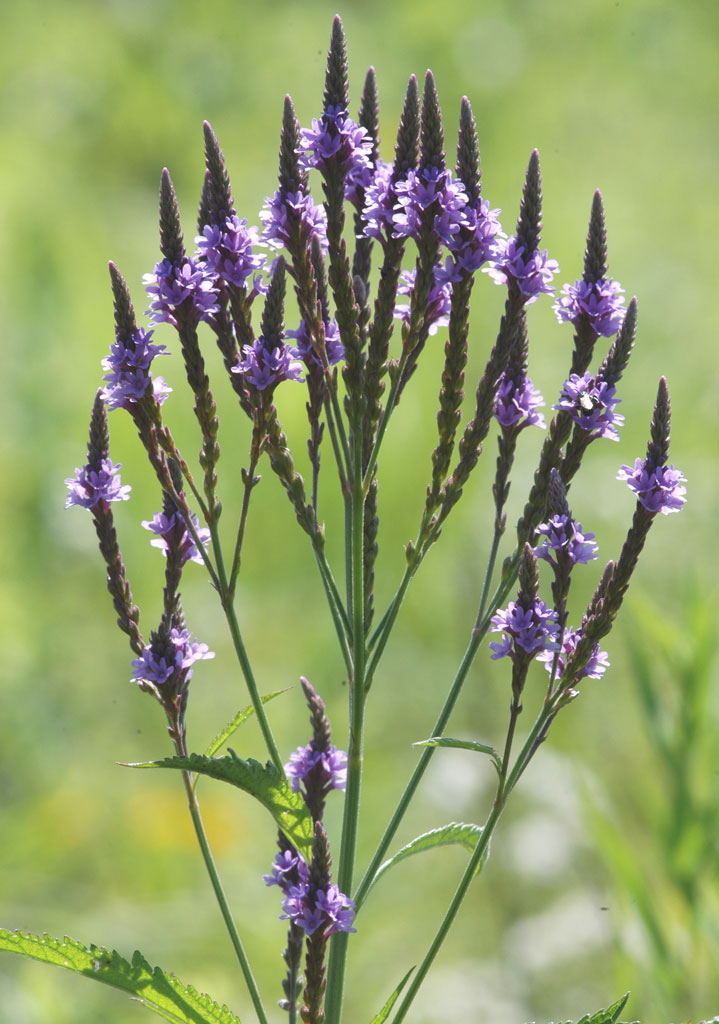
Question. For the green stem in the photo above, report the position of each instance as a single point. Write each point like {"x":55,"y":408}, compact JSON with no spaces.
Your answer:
{"x":348,"y":848}
{"x":249,"y":485}
{"x":222,"y":899}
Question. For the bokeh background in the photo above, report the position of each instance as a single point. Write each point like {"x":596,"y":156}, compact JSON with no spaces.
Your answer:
{"x":603,"y":876}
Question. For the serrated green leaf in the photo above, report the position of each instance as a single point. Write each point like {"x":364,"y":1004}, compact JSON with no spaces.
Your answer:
{"x":608,"y":1016}
{"x":447,"y":741}
{"x":163,"y":993}
{"x":237,"y":721}
{"x":384,"y":1012}
{"x":456,"y":833}
{"x":264,"y":782}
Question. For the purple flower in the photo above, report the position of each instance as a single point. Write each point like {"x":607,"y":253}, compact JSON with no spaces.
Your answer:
{"x":128,"y":371}
{"x":288,"y":868}
{"x":516,"y":403}
{"x":591,"y":402}
{"x":172,"y":533}
{"x":337,"y":910}
{"x":532,"y":272}
{"x":266,"y":367}
{"x":379,"y":202}
{"x":328,"y":909}
{"x":439,"y":300}
{"x":290,"y":213}
{"x":429,"y":192}
{"x":90,"y":486}
{"x":564,"y":537}
{"x":299,"y":909}
{"x":594,"y":669}
{"x":172,"y":284}
{"x":657,"y":488}
{"x":600,"y":301}
{"x":227,"y":250}
{"x":304,"y":349}
{"x":532,"y":629}
{"x":480,"y":238}
{"x":169,"y":660}
{"x":336,"y":139}
{"x":330,"y":765}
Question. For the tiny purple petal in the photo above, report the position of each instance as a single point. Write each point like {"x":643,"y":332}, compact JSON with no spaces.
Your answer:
{"x":289,"y":213}
{"x":594,"y":669}
{"x":174,"y":662}
{"x":533,"y":272}
{"x":128,"y":371}
{"x":591,"y":402}
{"x":657,"y":488}
{"x":564,"y":537}
{"x":90,"y":486}
{"x":517,"y":402}
{"x":305,"y":350}
{"x":227,"y":251}
{"x":266,"y":367}
{"x":172,"y":284}
{"x":532,"y":629}
{"x":601,"y":301}
{"x":172,"y":532}
{"x":332,"y":765}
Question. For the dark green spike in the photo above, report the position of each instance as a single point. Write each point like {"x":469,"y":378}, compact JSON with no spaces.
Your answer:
{"x":336,"y":76}
{"x":171,"y":242}
{"x":98,"y":446}
{"x":595,"y":255}
{"x":368,"y":116}
{"x":557,"y":495}
{"x":658,"y":448}
{"x":406,"y":151}
{"x":528,"y":574}
{"x":204,"y":212}
{"x":468,"y":168}
{"x":291,"y":177}
{"x":125,"y":324}
{"x":273,"y":315}
{"x":318,"y":265}
{"x":432,"y":146}
{"x":529,"y":225}
{"x":220,"y":191}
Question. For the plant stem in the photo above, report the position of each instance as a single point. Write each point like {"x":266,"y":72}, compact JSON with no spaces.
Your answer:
{"x":222,"y":899}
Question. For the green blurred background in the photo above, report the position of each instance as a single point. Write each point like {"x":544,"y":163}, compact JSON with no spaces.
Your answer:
{"x":604,"y":874}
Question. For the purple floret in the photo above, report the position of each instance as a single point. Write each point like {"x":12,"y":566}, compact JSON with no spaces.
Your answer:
{"x":172,"y":285}
{"x":480,"y":239}
{"x":439,"y":300}
{"x":290,"y":214}
{"x":328,"y":909}
{"x":591,"y":402}
{"x":288,"y":868}
{"x":600,"y":301}
{"x":265,"y":367}
{"x":227,"y":250}
{"x":330,"y":765}
{"x":336,"y":139}
{"x":337,"y":910}
{"x":379,"y":203}
{"x":305,"y":350}
{"x":128,"y":371}
{"x":532,"y":629}
{"x":430,"y":191}
{"x":594,"y":669}
{"x":562,"y":540}
{"x":532,"y":272}
{"x":657,"y":488}
{"x":172,"y":533}
{"x":90,"y":486}
{"x":517,"y":402}
{"x":173,"y":662}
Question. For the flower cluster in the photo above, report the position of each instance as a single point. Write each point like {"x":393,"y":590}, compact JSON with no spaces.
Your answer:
{"x":335,"y":139}
{"x":562,"y":540}
{"x":480,"y":239}
{"x":185,"y":284}
{"x":308,"y":907}
{"x":532,"y":271}
{"x":127,"y":369}
{"x":439,"y":300}
{"x":170,"y":658}
{"x":305,"y":350}
{"x":658,"y":488}
{"x":379,"y":203}
{"x":265,"y":366}
{"x":517,"y":402}
{"x":291,"y":217}
{"x":600,"y":302}
{"x":90,"y":486}
{"x":327,"y":767}
{"x":227,"y":252}
{"x":430,"y":193}
{"x":591,"y":403}
{"x":171,"y":532}
{"x":531,"y":629}
{"x":594,"y":669}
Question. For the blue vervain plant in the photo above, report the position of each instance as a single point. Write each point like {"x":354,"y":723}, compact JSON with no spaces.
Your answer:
{"x":392,"y":245}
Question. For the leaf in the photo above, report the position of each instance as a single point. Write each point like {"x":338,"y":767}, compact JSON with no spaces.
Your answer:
{"x":264,"y":782}
{"x":456,"y":833}
{"x":163,"y":993}
{"x":608,"y":1016}
{"x":384,"y":1012}
{"x":237,"y":721}
{"x":447,"y":741}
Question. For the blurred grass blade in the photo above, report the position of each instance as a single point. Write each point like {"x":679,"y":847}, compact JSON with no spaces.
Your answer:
{"x":454,"y":834}
{"x":608,"y":1016}
{"x":264,"y":782}
{"x":237,"y":721}
{"x":384,"y":1012}
{"x":160,"y":992}
{"x":447,"y":741}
